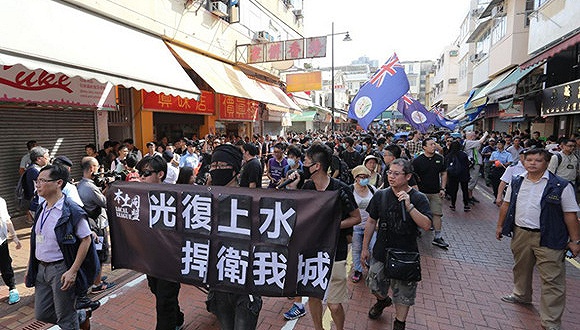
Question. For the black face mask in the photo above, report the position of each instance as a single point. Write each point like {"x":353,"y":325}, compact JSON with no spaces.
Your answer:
{"x":307,"y":173}
{"x":221,"y":177}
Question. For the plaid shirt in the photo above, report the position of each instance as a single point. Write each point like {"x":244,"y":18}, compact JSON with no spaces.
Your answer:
{"x":414,"y":147}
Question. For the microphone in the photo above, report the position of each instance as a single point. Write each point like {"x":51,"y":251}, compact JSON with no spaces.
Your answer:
{"x":403,"y":211}
{"x":289,"y":181}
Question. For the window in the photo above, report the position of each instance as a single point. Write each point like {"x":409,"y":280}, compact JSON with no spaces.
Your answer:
{"x":499,"y":29}
{"x":452,"y":81}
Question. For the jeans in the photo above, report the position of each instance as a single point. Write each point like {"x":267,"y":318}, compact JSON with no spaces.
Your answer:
{"x":169,"y":316}
{"x":234,"y":311}
{"x":357,"y":240}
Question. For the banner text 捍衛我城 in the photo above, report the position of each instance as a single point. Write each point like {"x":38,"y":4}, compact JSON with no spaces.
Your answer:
{"x":262,"y":241}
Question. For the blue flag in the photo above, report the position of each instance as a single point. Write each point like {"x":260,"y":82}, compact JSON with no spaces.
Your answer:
{"x":416,"y":114}
{"x":445,"y":122}
{"x":384,"y":88}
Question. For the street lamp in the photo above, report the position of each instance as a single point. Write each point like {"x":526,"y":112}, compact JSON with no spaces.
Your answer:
{"x":346,"y":38}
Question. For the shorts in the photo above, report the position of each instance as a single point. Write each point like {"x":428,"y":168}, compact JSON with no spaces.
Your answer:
{"x":337,"y":292}
{"x":404,"y":292}
{"x":435,"y":204}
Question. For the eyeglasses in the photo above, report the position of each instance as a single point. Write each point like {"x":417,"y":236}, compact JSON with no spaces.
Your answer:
{"x":43,"y":181}
{"x":147,"y":173}
{"x":570,"y":145}
{"x":395,"y":173}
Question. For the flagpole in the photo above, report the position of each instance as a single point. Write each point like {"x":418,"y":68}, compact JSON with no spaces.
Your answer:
{"x":332,"y":78}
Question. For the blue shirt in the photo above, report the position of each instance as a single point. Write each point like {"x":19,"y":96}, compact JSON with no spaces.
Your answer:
{"x":503,"y":156}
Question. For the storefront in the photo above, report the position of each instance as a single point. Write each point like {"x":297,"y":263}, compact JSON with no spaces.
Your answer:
{"x":563,"y":103}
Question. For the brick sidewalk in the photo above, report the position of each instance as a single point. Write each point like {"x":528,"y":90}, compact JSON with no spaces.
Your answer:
{"x":461,"y":288}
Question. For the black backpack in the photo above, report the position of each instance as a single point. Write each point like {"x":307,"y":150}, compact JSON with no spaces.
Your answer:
{"x":344,"y":172}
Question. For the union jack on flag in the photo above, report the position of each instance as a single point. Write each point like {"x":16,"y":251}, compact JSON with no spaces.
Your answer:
{"x":387,"y":68}
{"x":407,"y":99}
{"x":385,"y":87}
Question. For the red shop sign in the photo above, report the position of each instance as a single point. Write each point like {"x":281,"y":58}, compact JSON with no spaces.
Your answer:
{"x":236,"y":108}
{"x":170,"y":103}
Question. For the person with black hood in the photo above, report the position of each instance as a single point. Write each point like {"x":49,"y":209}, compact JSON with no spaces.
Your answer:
{"x":237,"y":311}
{"x":457,"y":163}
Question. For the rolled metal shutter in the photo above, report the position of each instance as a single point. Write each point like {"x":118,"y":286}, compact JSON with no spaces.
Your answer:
{"x":62,"y":132}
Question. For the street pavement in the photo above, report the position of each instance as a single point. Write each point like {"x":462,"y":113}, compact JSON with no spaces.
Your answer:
{"x":461,"y":288}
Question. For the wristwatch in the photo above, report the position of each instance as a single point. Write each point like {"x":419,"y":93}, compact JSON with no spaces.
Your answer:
{"x":576,"y":242}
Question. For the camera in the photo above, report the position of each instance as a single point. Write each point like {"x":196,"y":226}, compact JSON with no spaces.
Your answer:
{"x":102,"y":179}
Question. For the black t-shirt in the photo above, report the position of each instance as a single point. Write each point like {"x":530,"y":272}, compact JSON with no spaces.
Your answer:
{"x":393,"y":231}
{"x":352,"y":159}
{"x":347,"y":204}
{"x":251,"y":172}
{"x":427,"y":170}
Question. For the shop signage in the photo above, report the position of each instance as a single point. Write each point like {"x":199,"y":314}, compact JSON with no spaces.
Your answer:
{"x":161,"y":102}
{"x":260,"y":241}
{"x":20,"y":85}
{"x":309,"y":81}
{"x":562,"y":99}
{"x":286,"y":50}
{"x":236,"y":108}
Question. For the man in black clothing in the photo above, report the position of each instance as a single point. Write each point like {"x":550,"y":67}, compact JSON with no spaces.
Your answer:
{"x":316,"y":164}
{"x":351,"y":157}
{"x":432,"y":179}
{"x":251,"y":172}
{"x":396,"y":230}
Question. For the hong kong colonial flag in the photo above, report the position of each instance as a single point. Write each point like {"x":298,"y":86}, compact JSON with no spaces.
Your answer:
{"x":384,"y":88}
{"x":416,"y":114}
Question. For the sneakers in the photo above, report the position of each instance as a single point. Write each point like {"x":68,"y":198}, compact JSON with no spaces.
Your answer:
{"x":466,"y":208}
{"x":440,"y":242}
{"x":378,"y":307}
{"x":452,"y":207}
{"x":13,"y":297}
{"x":473,"y":199}
{"x":294,"y":312}
{"x":515,"y":300}
{"x":85,"y":303}
{"x":356,"y":276}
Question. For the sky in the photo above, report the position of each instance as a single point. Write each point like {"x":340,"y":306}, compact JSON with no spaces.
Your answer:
{"x":414,"y":29}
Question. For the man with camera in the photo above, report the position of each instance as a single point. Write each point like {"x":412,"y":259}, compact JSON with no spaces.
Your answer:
{"x":400,"y":210}
{"x":94,"y":201}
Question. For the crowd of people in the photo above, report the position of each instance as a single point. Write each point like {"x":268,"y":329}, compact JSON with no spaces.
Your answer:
{"x":392,"y":190}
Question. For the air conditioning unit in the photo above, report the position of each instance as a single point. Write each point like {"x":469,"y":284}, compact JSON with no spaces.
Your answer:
{"x":474,"y":57}
{"x":475,"y":12}
{"x":219,"y":8}
{"x":497,"y":11}
{"x":263,"y":36}
{"x":289,"y":3}
{"x":298,"y":13}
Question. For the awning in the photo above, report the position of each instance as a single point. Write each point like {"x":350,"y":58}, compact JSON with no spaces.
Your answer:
{"x":222,"y":77}
{"x":543,"y":56}
{"x":488,"y":9}
{"x":481,"y":97}
{"x":276,"y":99}
{"x":479,"y":29}
{"x":513,"y":119}
{"x":507,"y":87}
{"x":59,"y":38}
{"x":304,"y":116}
{"x":302,"y":99}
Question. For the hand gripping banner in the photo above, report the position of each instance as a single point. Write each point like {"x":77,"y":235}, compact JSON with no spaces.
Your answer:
{"x":261,"y":241}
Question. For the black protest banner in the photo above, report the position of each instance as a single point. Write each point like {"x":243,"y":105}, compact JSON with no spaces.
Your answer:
{"x":262,"y":241}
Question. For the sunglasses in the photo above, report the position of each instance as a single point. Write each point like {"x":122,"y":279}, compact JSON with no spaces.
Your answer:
{"x":147,"y":173}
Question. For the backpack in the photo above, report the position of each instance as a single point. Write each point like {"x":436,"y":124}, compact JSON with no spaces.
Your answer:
{"x":344,"y":174}
{"x":454,"y":168}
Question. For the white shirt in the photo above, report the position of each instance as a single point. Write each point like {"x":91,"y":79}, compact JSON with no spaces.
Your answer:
{"x":4,"y":218}
{"x":528,"y":205}
{"x":172,"y":174}
{"x":512,"y":171}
